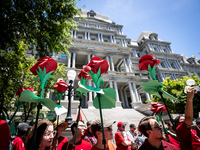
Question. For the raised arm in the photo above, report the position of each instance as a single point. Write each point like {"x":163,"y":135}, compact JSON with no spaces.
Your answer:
{"x":189,"y":107}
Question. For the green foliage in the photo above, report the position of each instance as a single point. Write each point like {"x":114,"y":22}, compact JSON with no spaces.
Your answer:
{"x":46,"y":24}
{"x":43,"y":25}
{"x":176,"y":89}
{"x":14,"y":74}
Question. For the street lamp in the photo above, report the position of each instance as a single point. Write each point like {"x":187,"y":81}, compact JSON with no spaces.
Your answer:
{"x":71,"y":74}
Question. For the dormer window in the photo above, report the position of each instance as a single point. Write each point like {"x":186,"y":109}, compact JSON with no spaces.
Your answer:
{"x":91,"y":13}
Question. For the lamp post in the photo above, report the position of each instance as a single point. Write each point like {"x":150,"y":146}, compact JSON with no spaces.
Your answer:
{"x":71,"y":76}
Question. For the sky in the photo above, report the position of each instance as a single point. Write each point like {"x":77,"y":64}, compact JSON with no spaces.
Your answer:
{"x":175,"y":21}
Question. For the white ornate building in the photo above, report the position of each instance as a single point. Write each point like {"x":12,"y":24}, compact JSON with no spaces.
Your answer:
{"x":99,"y":36}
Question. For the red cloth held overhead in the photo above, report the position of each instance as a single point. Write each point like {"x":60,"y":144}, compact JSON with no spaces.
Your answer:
{"x":4,"y":134}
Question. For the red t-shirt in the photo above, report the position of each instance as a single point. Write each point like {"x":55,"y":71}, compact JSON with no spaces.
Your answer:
{"x":119,"y":139}
{"x":18,"y":144}
{"x":174,"y":140}
{"x":189,"y":139}
{"x":62,"y":141}
{"x":110,"y":147}
{"x":164,"y":146}
{"x":4,"y":134}
{"x":81,"y":145}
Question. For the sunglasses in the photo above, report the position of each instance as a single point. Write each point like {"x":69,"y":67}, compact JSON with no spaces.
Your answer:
{"x":107,"y":128}
{"x":158,"y":126}
{"x":50,"y":133}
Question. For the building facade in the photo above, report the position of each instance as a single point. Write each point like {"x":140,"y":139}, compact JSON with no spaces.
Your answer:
{"x":100,"y":37}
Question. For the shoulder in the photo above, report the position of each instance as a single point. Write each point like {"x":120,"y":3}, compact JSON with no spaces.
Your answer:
{"x":64,"y":139}
{"x":86,"y":143}
{"x":168,"y":145}
{"x":117,"y":133}
{"x":110,"y":144}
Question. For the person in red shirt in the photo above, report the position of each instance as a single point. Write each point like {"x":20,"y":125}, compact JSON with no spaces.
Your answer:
{"x":4,"y":135}
{"x":44,"y":136}
{"x":155,"y":136}
{"x":22,"y":131}
{"x":189,"y":139}
{"x":81,"y":144}
{"x":60,"y":140}
{"x":197,"y":131}
{"x":89,"y":136}
{"x":121,"y":139}
{"x":97,"y":131}
{"x":173,"y":138}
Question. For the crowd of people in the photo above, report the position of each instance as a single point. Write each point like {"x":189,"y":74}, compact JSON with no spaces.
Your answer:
{"x":149,"y":134}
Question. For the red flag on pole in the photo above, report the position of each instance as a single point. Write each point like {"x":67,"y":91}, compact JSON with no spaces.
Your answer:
{"x":80,"y":117}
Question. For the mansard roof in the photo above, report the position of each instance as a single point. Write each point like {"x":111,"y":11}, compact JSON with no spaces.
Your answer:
{"x":96,"y":17}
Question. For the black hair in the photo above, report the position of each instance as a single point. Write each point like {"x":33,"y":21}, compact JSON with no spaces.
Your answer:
{"x":74,"y":124}
{"x":144,"y":125}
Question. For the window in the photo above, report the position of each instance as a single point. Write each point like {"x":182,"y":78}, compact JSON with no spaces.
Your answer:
{"x":138,"y":54}
{"x":93,"y":39}
{"x":165,"y":50}
{"x":63,"y":56}
{"x":155,"y":49}
{"x":105,"y":40}
{"x":163,"y":64}
{"x":80,"y":37}
{"x":173,"y":65}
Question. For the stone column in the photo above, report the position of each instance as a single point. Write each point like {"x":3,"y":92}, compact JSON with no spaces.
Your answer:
{"x":177,"y":62}
{"x":122,"y":98}
{"x":131,"y":92}
{"x":102,"y":37}
{"x":85,"y":35}
{"x":112,"y":64}
{"x":107,"y":58}
{"x":89,"y":36}
{"x":129,"y":64}
{"x":118,"y":103}
{"x":90,"y":101}
{"x":125,"y":99}
{"x":74,"y":60}
{"x":111,"y":85}
{"x":125,"y":65}
{"x":168,"y":63}
{"x":150,"y":48}
{"x":89,"y":58}
{"x":114,"y":41}
{"x":116,"y":89}
{"x":74,"y":33}
{"x":122,"y":43}
{"x":99,"y":38}
{"x":94,"y":92}
{"x":136,"y":92}
{"x":125,"y":45}
{"x":140,"y":100}
{"x":147,"y":96}
{"x":69,"y":60}
{"x":111,"y":41}
{"x":161,"y":76}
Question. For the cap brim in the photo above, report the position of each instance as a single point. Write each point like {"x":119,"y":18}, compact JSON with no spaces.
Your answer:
{"x":65,"y":124}
{"x":108,"y":123}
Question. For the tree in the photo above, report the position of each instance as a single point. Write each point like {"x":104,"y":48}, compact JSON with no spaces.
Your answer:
{"x":44,"y":25}
{"x":176,"y":88}
{"x":24,"y":78}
